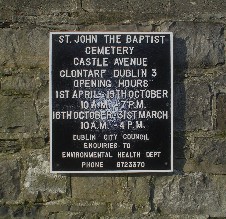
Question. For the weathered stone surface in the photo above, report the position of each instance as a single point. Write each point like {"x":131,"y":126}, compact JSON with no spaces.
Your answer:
{"x":121,"y":209}
{"x":11,"y":10}
{"x":142,"y":27}
{"x":21,"y":85}
{"x":24,"y":47}
{"x":9,"y":178}
{"x":14,"y":142}
{"x":210,"y":149}
{"x":219,"y":89}
{"x":143,"y":6}
{"x":8,"y":145}
{"x":126,"y":195}
{"x":70,"y":215}
{"x":90,"y":207}
{"x":191,"y":194}
{"x":34,"y":142}
{"x":39,"y":184}
{"x":154,"y":215}
{"x":219,"y":82}
{"x":23,"y":82}
{"x":207,"y":156}
{"x":140,"y":193}
{"x":17,"y":211}
{"x":17,"y":114}
{"x":102,"y":189}
{"x":145,"y":27}
{"x":93,"y":11}
{"x":42,"y":106}
{"x":53,"y":207}
{"x":192,"y":106}
{"x":199,"y":9}
{"x":4,"y":212}
{"x":31,"y":211}
{"x":196,"y":45}
{"x":182,"y":216}
{"x":65,"y":209}
{"x":96,"y":27}
{"x":221,"y":112}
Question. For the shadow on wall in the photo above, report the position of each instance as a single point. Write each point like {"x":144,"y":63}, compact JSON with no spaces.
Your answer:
{"x":180,"y":67}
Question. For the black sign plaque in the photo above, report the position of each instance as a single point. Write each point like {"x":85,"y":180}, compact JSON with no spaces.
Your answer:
{"x":111,"y":96}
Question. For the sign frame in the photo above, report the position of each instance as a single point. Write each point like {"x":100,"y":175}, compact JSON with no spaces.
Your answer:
{"x":50,"y":104}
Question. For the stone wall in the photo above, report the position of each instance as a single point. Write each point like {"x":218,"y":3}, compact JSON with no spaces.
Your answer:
{"x":196,"y":188}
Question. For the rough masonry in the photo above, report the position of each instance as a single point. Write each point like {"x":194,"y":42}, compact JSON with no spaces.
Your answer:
{"x":195,"y":190}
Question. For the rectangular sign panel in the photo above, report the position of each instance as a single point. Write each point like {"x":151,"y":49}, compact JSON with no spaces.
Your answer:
{"x":111,"y":102}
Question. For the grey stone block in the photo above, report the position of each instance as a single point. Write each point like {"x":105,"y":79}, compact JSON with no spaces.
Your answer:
{"x":39,"y":185}
{"x":192,"y":106}
{"x":121,"y":209}
{"x":140,"y":194}
{"x":24,"y":47}
{"x":180,"y":216}
{"x":34,"y":142}
{"x":52,"y":208}
{"x":196,"y":45}
{"x":118,"y":27}
{"x":13,"y":9}
{"x":17,"y":211}
{"x":17,"y":114}
{"x":9,"y":178}
{"x":90,"y":207}
{"x":199,"y":9}
{"x":8,"y":145}
{"x":55,"y":13}
{"x":191,"y":194}
{"x":124,"y":194}
{"x":143,"y":6}
{"x":22,"y":82}
{"x":208,"y":156}
{"x":107,"y":189}
{"x":17,"y":85}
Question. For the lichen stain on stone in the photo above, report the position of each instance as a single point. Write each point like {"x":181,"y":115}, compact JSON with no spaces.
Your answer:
{"x":38,"y":177}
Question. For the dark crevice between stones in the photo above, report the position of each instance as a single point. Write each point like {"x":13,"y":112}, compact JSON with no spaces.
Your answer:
{"x":134,"y":208}
{"x":39,"y":198}
{"x":69,"y":187}
{"x":46,"y":139}
{"x":151,"y":197}
{"x":5,"y":24}
{"x":81,"y":4}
